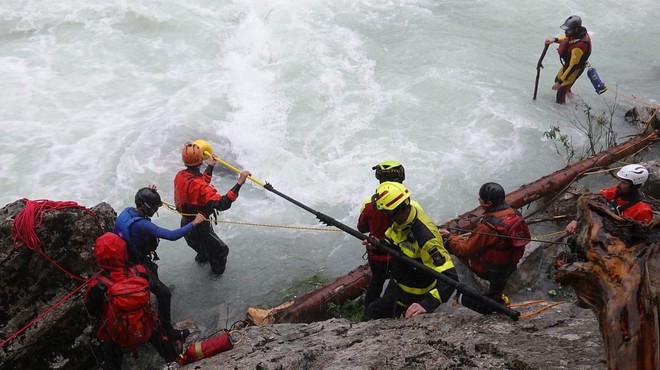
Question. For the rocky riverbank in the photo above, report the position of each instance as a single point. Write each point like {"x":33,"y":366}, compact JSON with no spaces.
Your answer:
{"x":563,"y":337}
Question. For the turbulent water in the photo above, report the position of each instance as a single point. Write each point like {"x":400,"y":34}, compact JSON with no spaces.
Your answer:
{"x":99,"y":96}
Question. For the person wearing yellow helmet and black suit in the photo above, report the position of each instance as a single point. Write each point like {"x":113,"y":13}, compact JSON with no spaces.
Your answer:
{"x":194,"y":193}
{"x":574,"y":51}
{"x":411,"y":292}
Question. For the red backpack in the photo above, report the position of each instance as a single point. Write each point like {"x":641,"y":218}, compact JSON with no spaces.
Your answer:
{"x":508,"y":251}
{"x":129,"y":319}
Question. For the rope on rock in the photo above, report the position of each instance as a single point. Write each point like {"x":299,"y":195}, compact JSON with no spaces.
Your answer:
{"x":537,"y":311}
{"x":24,"y":234}
{"x":46,"y":312}
{"x":31,"y":217}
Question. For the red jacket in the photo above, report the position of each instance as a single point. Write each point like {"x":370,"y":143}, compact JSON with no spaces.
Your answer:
{"x":640,"y":211}
{"x":484,"y":247}
{"x":194,"y":193}
{"x":374,"y":222}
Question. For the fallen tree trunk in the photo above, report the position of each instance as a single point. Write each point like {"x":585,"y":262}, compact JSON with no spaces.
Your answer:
{"x":618,"y":277}
{"x":314,"y":304}
{"x":559,"y":180}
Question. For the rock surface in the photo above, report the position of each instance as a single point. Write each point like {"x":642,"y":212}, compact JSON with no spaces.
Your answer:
{"x":563,"y":337}
{"x":35,"y":280}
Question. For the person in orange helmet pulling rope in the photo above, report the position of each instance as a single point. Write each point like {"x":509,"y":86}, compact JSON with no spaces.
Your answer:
{"x":193,"y":193}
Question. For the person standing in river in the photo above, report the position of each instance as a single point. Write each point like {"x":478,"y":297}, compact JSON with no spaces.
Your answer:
{"x":574,"y":51}
{"x":142,"y":236}
{"x":193,"y":193}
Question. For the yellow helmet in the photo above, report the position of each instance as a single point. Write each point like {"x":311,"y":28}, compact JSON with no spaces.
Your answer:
{"x":390,"y":195}
{"x":389,"y":171}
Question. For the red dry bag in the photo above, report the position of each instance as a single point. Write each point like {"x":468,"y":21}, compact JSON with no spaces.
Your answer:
{"x":205,"y":348}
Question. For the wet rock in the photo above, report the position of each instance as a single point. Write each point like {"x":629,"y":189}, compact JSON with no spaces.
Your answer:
{"x":642,"y":116}
{"x":652,"y":186}
{"x":565,"y":337}
{"x":37,"y":281}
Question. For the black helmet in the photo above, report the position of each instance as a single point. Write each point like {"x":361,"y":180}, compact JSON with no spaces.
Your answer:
{"x":572,"y":23}
{"x":390,"y":171}
{"x":492,"y":192}
{"x":148,"y":197}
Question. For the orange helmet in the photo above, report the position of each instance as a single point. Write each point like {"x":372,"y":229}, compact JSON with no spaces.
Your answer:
{"x":191,"y":154}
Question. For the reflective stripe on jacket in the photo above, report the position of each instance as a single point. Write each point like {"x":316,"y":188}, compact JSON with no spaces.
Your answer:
{"x":414,"y":238}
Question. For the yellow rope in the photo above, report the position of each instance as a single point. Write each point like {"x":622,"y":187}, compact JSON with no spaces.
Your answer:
{"x":634,"y":99}
{"x":280,"y":226}
{"x":173,"y":209}
{"x":558,"y":232}
{"x":526,"y":303}
{"x":538,"y":310}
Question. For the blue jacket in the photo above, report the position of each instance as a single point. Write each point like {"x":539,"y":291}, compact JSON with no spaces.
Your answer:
{"x":142,"y":236}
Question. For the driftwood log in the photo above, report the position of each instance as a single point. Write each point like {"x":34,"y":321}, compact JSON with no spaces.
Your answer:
{"x":617,"y":275}
{"x":312,"y":305}
{"x":559,"y":180}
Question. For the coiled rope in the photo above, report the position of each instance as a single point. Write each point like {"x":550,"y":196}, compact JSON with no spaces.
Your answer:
{"x":31,"y":217}
{"x":24,"y":234}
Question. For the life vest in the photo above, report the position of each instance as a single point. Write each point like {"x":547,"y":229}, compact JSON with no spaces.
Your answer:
{"x":635,"y":208}
{"x":567,"y":45}
{"x":620,"y":209}
{"x":189,"y":197}
{"x":507,"y":251}
{"x":375,"y":222}
{"x":139,"y":249}
{"x":128,"y":317}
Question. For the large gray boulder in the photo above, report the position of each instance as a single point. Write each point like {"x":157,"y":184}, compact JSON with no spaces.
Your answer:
{"x":36,"y":283}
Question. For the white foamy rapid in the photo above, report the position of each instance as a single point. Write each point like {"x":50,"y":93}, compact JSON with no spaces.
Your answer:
{"x":98,"y":98}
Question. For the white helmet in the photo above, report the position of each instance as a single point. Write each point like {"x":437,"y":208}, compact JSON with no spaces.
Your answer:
{"x":636,"y":173}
